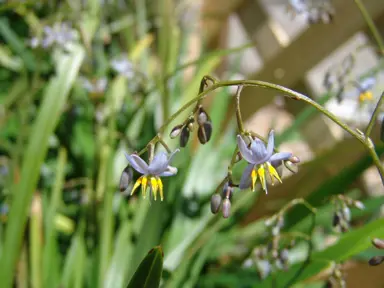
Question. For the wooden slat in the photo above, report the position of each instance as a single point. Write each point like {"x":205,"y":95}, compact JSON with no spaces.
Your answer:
{"x":312,"y":46}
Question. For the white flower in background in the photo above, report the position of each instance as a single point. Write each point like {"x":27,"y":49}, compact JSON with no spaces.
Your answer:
{"x":124,"y":67}
{"x":97,"y":86}
{"x":59,"y":34}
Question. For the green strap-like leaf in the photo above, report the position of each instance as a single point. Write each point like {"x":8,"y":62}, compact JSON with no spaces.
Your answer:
{"x":148,"y":274}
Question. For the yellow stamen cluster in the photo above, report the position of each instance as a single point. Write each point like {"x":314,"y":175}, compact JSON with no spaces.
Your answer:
{"x":365,"y":96}
{"x":260,"y":173}
{"x":155,"y":184}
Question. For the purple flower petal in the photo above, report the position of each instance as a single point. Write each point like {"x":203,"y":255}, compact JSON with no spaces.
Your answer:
{"x":271,"y":143}
{"x":281,"y":156}
{"x":245,"y":181}
{"x":367,"y":83}
{"x":161,"y":162}
{"x":169,"y":172}
{"x":158,"y":164}
{"x":245,"y":152}
{"x":137,"y":163}
{"x":259,"y":152}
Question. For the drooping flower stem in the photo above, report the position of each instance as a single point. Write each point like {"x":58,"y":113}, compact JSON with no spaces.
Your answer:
{"x":239,"y":121}
{"x":287,"y":93}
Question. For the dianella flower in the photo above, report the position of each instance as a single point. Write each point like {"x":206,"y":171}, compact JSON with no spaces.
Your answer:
{"x":158,"y":167}
{"x":262,"y":162}
{"x":59,"y":34}
{"x":362,"y":91}
{"x":124,"y":67}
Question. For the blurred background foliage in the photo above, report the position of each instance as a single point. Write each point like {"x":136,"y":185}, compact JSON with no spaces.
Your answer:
{"x":82,"y":82}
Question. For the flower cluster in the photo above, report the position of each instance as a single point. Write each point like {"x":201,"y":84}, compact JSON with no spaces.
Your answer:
{"x":158,"y":167}
{"x":59,"y":34}
{"x":222,"y":201}
{"x":95,"y":87}
{"x":204,"y":131}
{"x":124,"y":67}
{"x":342,"y":215}
{"x":313,"y":11}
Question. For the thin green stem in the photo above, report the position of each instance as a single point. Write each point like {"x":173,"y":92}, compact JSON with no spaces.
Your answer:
{"x":266,"y":85}
{"x":372,"y":27}
{"x":374,"y":116}
{"x":239,"y":121}
{"x":376,"y":160}
{"x":162,"y":142}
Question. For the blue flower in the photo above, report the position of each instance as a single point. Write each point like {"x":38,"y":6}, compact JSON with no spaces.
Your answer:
{"x":159,"y":167}
{"x":261,"y":161}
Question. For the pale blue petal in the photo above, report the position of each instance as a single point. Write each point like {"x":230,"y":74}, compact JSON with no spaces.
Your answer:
{"x":271,"y":143}
{"x":367,"y":83}
{"x":158,"y":164}
{"x":245,"y":181}
{"x":281,"y":156}
{"x":161,"y":162}
{"x":137,"y":163}
{"x":245,"y":152}
{"x":169,"y":172}
{"x":259,"y":152}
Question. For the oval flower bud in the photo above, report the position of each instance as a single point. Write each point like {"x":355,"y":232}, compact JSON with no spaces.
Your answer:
{"x":215,"y":203}
{"x":202,"y":116}
{"x":346,"y":213}
{"x":184,"y":136}
{"x":226,"y":208}
{"x":227,"y":191}
{"x":376,"y":260}
{"x":175,"y":131}
{"x":336,"y":219}
{"x":125,"y":178}
{"x":378,"y":243}
{"x":204,"y":133}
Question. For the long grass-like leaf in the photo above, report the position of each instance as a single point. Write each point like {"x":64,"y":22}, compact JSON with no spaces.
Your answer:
{"x":53,"y":103}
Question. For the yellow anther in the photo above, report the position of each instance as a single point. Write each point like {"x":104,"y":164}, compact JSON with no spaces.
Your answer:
{"x":272,"y":171}
{"x":254,"y":178}
{"x":144,"y":186}
{"x":364,"y":96}
{"x":137,"y":184}
{"x":160,"y":184}
{"x":261,"y":172}
{"x":154,"y":186}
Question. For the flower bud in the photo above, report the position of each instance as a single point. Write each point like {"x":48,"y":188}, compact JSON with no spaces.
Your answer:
{"x":204,"y":133}
{"x":215,"y":203}
{"x":184,"y":137}
{"x":284,"y":255}
{"x":227,"y":191}
{"x":294,"y":159}
{"x":359,"y":205}
{"x":264,"y":268}
{"x":125,"y":178}
{"x":376,"y":260}
{"x":226,"y":208}
{"x":202,"y":116}
{"x":378,"y":243}
{"x":346,"y":212}
{"x":336,"y":219}
{"x":291,"y":166}
{"x":175,"y":131}
{"x":191,"y":126}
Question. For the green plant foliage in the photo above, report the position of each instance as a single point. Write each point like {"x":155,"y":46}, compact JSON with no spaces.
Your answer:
{"x":148,"y":274}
